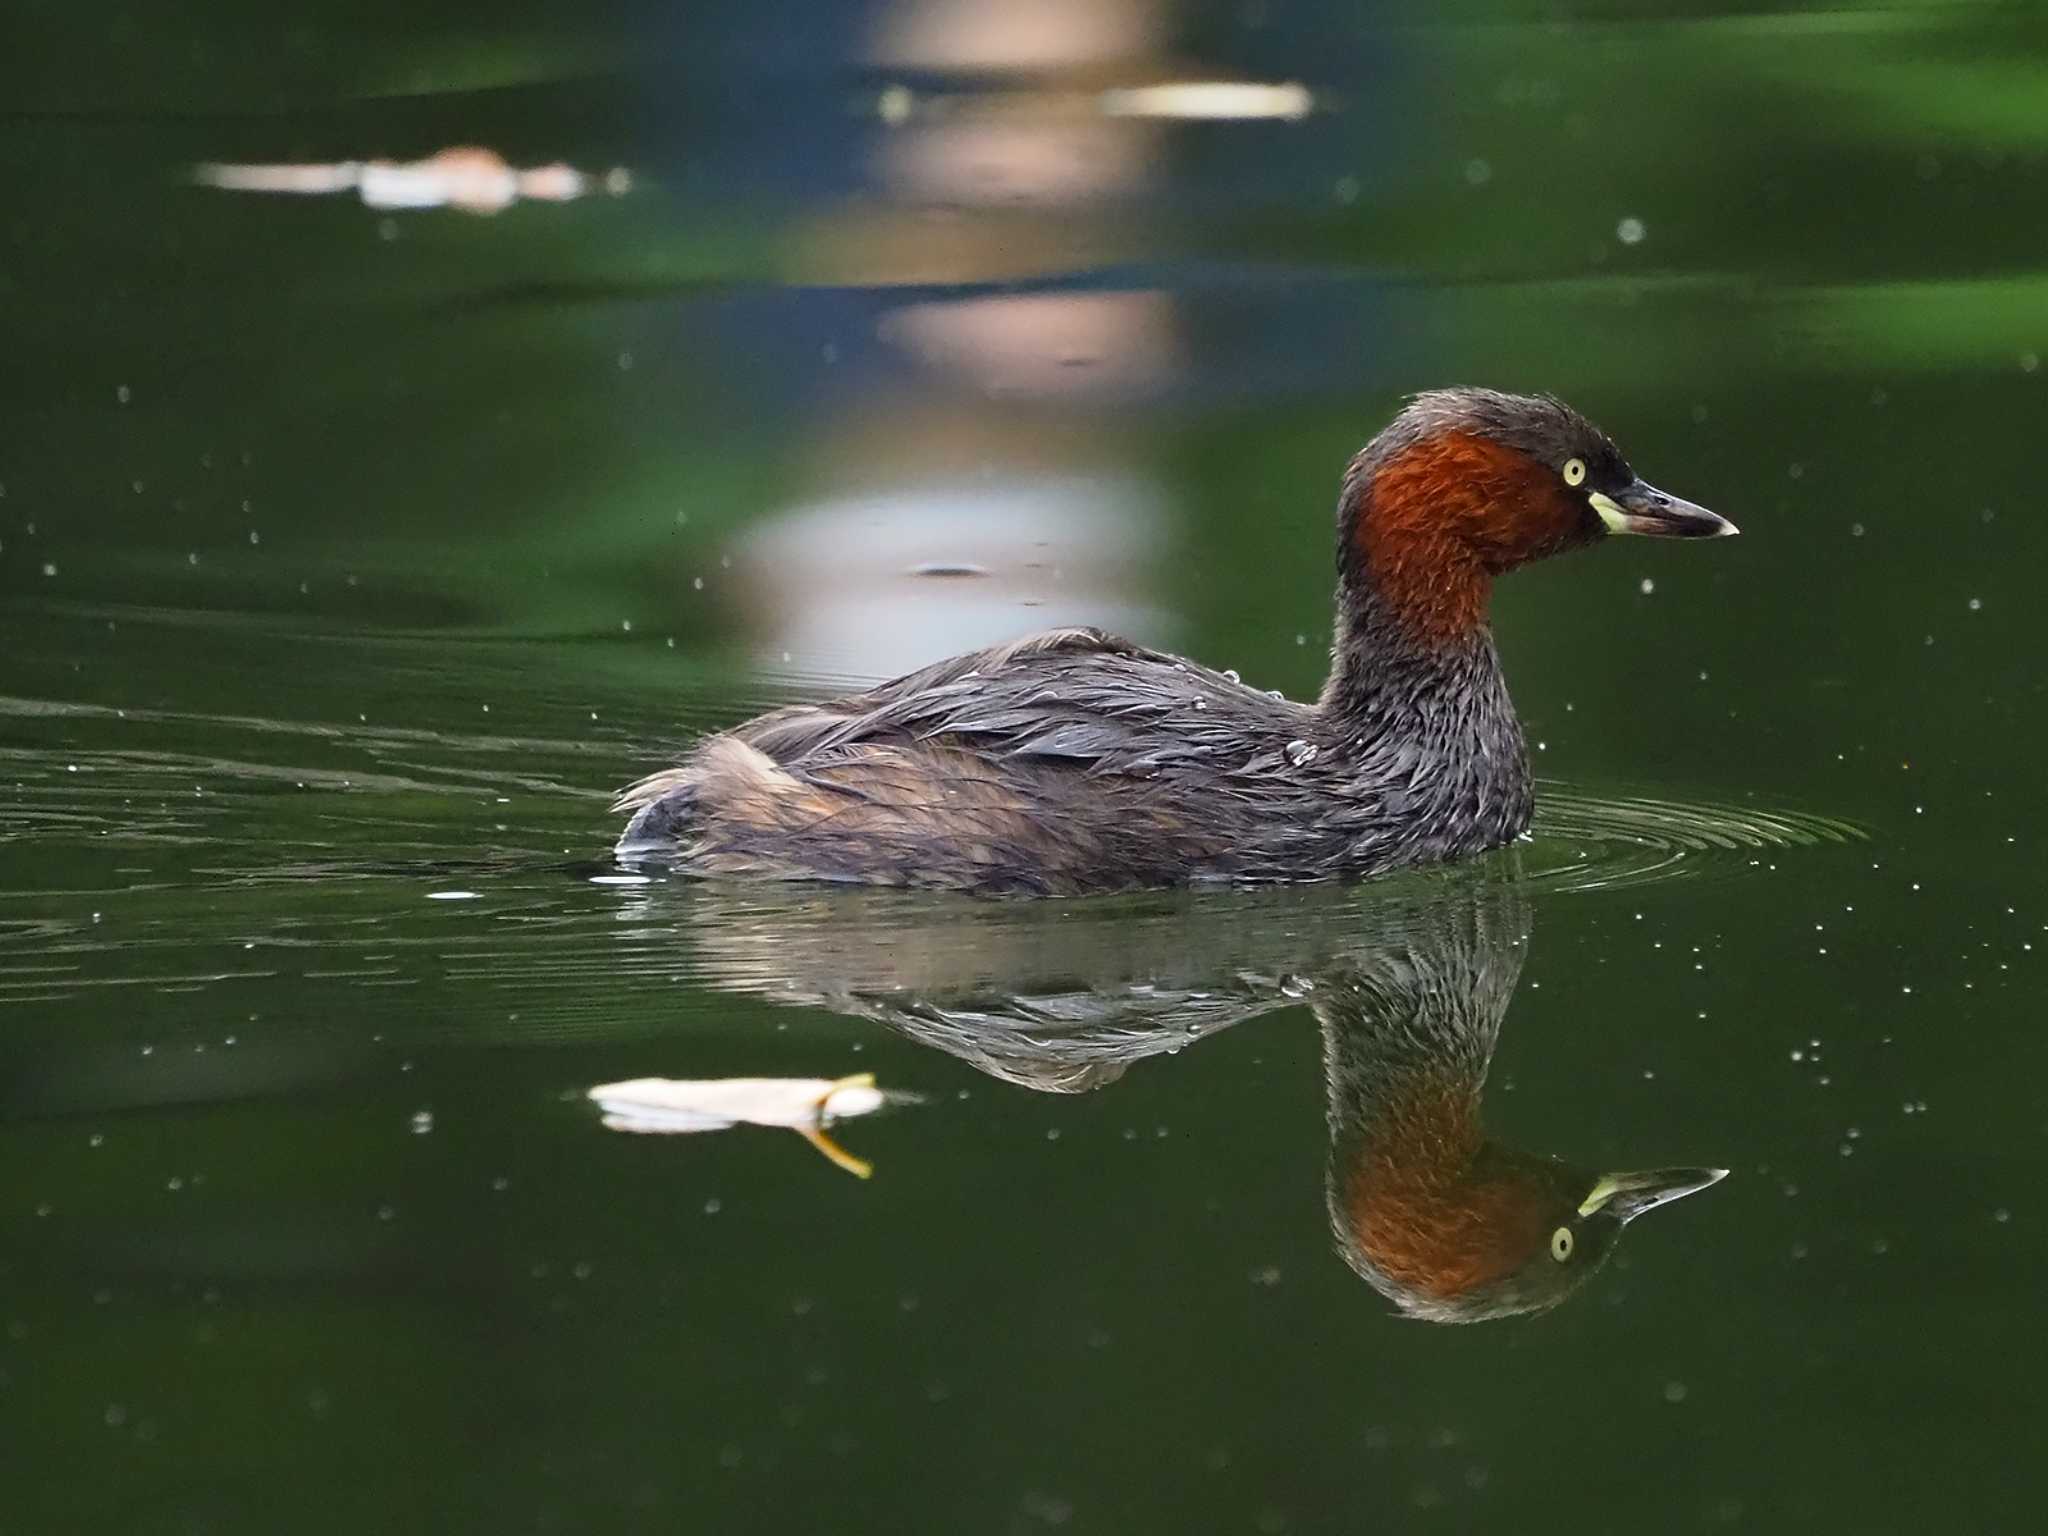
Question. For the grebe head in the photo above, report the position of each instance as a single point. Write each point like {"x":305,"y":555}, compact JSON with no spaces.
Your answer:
{"x":1466,"y":484}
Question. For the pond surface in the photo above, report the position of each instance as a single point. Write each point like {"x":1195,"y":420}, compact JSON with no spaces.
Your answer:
{"x":351,"y":557}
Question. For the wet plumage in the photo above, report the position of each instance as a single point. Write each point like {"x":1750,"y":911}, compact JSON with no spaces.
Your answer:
{"x":1075,"y":761}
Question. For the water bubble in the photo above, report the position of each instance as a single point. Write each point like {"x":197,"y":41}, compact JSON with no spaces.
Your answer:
{"x":422,"y":1122}
{"x":1301,"y":753}
{"x":1630,"y":231}
{"x":1478,"y":172}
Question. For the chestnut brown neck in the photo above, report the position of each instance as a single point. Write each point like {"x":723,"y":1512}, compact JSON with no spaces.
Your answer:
{"x":1433,"y":1205}
{"x":1430,"y":526}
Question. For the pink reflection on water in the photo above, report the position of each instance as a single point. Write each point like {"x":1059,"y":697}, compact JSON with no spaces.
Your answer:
{"x":465,"y":177}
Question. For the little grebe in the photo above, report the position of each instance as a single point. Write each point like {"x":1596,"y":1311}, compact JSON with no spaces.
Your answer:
{"x":1075,"y":761}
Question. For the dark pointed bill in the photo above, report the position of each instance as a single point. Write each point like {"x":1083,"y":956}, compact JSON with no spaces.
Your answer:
{"x":1627,"y":1195}
{"x":1641,"y":508}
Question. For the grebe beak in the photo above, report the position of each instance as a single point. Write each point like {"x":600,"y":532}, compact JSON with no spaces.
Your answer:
{"x":1626,"y":1196}
{"x":1642,"y":508}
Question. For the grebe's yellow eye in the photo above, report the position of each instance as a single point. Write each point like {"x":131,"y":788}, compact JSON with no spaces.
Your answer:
{"x":1574,"y":471}
{"x":1561,"y":1239}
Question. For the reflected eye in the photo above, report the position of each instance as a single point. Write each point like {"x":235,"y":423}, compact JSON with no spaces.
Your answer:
{"x":1574,"y":474}
{"x":1561,"y":1239}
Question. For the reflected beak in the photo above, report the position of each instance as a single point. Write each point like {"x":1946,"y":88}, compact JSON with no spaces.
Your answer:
{"x":1642,"y":508}
{"x":1625,"y":1196}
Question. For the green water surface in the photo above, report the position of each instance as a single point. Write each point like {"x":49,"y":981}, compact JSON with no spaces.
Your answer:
{"x":350,"y":559}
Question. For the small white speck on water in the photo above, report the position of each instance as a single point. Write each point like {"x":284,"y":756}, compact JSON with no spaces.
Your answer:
{"x":422,"y":1123}
{"x":2030,"y":362}
{"x":1976,"y":604}
{"x":1345,"y":190}
{"x":1646,"y":586}
{"x":1300,"y":638}
{"x":1630,"y":231}
{"x":124,"y":394}
{"x":1856,"y":530}
{"x":625,"y":362}
{"x":451,"y":895}
{"x":1674,"y":1391}
{"x":626,"y":626}
{"x":49,"y":567}
{"x":2001,"y":1215}
{"x":1478,"y":172}
{"x":894,"y":104}
{"x":697,"y":583}
{"x":713,"y":1206}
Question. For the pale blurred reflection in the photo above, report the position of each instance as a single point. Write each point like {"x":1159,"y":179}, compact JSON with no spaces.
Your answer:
{"x":467,"y":178}
{"x":1020,"y":116}
{"x":1044,"y":344}
{"x":1210,"y":100}
{"x":872,"y":586}
{"x":1016,"y":34}
{"x":1013,"y":157}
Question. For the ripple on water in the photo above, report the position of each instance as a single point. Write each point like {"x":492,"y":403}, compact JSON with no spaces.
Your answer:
{"x":1587,"y":842}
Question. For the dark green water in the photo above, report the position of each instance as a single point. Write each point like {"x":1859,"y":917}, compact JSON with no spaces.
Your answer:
{"x":351,"y":559}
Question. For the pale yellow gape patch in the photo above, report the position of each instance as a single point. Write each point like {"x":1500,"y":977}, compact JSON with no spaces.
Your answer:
{"x":1610,"y":513}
